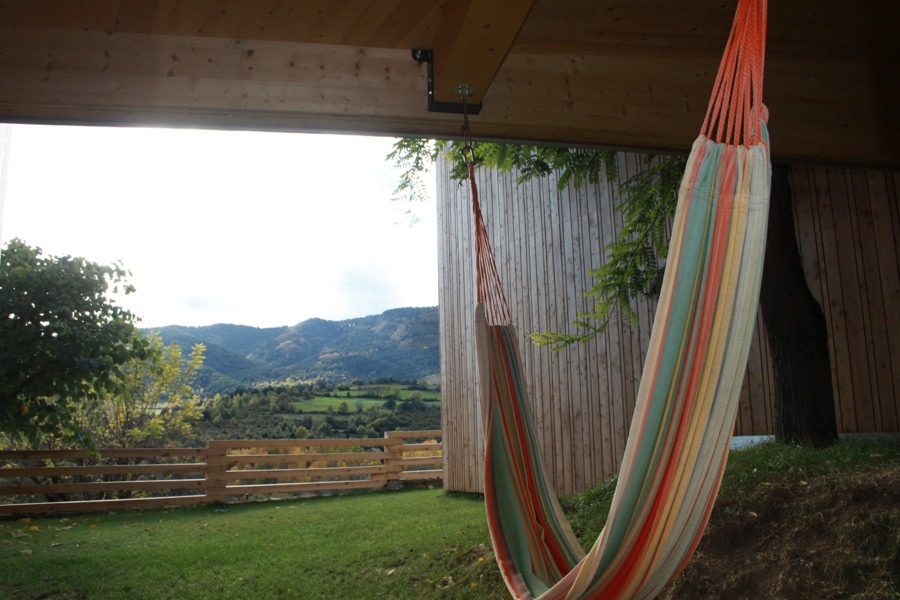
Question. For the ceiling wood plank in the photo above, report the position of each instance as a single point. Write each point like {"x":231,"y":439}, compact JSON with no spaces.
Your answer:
{"x":85,"y":77}
{"x":471,"y":43}
{"x":823,"y":110}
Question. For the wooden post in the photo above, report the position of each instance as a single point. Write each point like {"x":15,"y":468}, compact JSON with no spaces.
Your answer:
{"x":216,"y":467}
{"x":379,"y":480}
{"x":393,"y":449}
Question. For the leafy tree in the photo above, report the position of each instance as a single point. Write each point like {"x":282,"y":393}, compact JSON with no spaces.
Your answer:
{"x":281,"y":404}
{"x":154,"y":403}
{"x":411,"y":404}
{"x":63,"y":341}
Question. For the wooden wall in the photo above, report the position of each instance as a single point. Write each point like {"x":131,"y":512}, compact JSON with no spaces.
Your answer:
{"x":546,"y":240}
{"x":848,"y":223}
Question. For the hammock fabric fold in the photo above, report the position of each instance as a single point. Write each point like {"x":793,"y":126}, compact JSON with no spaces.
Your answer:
{"x":686,"y":404}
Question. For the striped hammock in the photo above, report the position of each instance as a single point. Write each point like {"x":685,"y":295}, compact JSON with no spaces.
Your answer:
{"x":686,"y":404}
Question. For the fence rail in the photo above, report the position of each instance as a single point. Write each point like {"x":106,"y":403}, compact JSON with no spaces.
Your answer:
{"x":64,"y":481}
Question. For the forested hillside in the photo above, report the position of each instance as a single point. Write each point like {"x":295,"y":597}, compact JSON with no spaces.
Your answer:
{"x":400,"y":344}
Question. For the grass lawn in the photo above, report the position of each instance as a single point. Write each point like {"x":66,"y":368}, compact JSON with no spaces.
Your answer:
{"x":409,"y":544}
{"x":789,"y":523}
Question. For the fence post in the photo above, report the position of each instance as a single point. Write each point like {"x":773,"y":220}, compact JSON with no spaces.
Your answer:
{"x":393,"y":448}
{"x":216,"y":467}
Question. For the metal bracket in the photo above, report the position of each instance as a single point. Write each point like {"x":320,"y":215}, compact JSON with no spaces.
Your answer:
{"x":427,"y":56}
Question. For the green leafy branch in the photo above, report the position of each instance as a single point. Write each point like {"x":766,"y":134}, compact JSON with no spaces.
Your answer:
{"x":646,"y":203}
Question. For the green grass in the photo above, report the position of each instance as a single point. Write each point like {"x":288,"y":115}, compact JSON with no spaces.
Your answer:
{"x":320,"y":404}
{"x":410,"y":544}
{"x":387,"y":389}
{"x":766,"y":462}
{"x":835,"y":508}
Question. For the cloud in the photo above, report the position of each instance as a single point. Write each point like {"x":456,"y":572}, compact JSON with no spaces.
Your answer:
{"x":366,"y":290}
{"x":202,"y":304}
{"x":239,"y":227}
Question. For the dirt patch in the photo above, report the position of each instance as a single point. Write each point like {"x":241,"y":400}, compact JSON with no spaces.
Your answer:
{"x":823,"y":538}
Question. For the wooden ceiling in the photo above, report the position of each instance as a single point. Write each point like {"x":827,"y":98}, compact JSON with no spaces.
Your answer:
{"x":613,"y":73}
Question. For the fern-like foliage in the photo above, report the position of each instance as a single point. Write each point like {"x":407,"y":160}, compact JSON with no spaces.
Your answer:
{"x":412,"y":156}
{"x":646,"y":201}
{"x":635,"y":262}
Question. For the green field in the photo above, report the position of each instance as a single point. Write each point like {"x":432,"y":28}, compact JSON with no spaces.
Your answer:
{"x":365,"y":395}
{"x":320,"y":404}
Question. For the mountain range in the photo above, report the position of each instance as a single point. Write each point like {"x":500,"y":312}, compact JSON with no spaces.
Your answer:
{"x":399,"y":344}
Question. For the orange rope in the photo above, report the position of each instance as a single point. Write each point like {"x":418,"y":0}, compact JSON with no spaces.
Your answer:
{"x":489,"y":289}
{"x":736,"y":105}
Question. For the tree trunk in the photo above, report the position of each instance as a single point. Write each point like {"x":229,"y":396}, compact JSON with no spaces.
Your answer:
{"x":795,"y":323}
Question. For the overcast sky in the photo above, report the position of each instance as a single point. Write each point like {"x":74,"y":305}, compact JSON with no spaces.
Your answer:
{"x":251,"y":228}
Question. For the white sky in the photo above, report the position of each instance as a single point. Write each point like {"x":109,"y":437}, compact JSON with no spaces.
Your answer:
{"x":250,"y":228}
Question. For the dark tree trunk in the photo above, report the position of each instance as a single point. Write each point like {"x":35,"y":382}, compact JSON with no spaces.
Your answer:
{"x":804,"y":396}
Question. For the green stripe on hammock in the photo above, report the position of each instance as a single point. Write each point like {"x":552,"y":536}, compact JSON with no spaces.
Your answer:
{"x":686,"y":404}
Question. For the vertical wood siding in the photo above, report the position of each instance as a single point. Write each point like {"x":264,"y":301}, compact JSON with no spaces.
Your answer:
{"x":848,"y":225}
{"x":546,"y":240}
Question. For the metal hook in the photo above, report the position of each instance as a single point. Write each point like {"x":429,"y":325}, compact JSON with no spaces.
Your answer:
{"x":468,"y":150}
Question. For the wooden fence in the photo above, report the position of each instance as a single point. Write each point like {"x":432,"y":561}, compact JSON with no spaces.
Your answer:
{"x":64,"y":481}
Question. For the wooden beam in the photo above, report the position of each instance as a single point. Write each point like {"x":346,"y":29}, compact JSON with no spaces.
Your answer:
{"x":86,"y":77}
{"x":471,"y":43}
{"x":822,"y":111}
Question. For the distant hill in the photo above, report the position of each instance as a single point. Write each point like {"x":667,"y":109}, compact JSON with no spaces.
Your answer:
{"x":398,"y":344}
